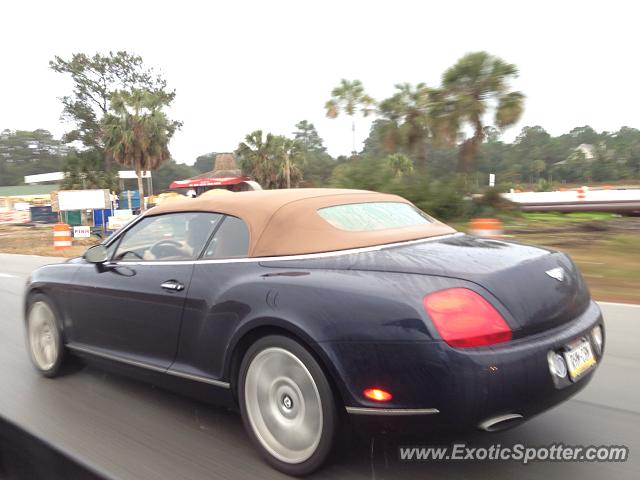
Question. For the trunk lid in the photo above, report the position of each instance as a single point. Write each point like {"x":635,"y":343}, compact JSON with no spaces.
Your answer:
{"x":525,"y":279}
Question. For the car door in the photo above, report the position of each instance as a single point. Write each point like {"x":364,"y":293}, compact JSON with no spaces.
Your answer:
{"x":216,"y":304}
{"x":131,"y":307}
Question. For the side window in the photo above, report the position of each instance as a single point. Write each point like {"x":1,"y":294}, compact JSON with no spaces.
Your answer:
{"x":230,"y":241}
{"x":175,"y":236}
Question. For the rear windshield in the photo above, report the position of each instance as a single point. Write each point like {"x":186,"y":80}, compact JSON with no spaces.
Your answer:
{"x":359,"y":217}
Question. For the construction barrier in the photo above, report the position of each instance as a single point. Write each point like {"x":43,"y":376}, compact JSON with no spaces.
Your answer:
{"x":582,"y":193}
{"x":486,"y":227}
{"x":61,"y":236}
{"x":13,"y":216}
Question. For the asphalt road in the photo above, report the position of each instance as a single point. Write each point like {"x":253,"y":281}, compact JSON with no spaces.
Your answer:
{"x":130,"y":430}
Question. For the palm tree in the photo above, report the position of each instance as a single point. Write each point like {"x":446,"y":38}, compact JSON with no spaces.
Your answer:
{"x":84,"y":170}
{"x":350,"y":98}
{"x":409,"y":120}
{"x":475,"y":85}
{"x":289,"y":154}
{"x":400,"y":164}
{"x":255,"y":155}
{"x":271,"y":159}
{"x":137,"y":132}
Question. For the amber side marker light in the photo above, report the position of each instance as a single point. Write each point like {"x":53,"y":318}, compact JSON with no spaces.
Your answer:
{"x":377,"y":394}
{"x":465,"y":319}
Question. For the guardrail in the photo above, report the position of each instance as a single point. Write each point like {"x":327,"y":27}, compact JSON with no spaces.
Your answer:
{"x":578,"y":200}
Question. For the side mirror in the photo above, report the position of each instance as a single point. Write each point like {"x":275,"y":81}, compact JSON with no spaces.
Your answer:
{"x":96,"y":254}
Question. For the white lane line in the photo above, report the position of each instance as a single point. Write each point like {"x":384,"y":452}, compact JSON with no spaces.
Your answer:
{"x":620,"y":304}
{"x":6,"y":275}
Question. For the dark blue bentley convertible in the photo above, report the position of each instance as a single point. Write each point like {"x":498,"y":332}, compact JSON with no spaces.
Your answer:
{"x":306,"y":306}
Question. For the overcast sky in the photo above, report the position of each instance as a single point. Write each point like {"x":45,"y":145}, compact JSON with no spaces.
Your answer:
{"x":238,"y":66}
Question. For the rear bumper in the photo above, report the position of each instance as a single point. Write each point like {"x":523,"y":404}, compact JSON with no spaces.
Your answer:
{"x":438,"y":387}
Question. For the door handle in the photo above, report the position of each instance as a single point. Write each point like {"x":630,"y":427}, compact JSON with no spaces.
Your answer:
{"x":172,"y":286}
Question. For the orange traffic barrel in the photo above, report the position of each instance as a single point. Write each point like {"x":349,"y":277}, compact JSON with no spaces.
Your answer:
{"x":486,"y":227}
{"x":61,"y":236}
{"x":582,"y":193}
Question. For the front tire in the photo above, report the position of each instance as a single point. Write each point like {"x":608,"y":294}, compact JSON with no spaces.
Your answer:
{"x":44,"y":337}
{"x":287,"y":405}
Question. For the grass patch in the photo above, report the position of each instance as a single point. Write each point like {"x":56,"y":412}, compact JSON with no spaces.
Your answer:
{"x":605,"y":247}
{"x":38,"y":241}
{"x":567,"y":217}
{"x":610,"y":263}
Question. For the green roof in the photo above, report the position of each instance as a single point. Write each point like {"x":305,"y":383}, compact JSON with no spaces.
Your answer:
{"x":17,"y":190}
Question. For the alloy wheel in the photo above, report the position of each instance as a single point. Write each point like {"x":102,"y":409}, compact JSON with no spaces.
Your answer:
{"x":283,"y":405}
{"x":44,"y":339}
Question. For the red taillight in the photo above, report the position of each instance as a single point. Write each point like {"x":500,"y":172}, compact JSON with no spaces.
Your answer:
{"x":377,"y":394}
{"x":465,"y":319}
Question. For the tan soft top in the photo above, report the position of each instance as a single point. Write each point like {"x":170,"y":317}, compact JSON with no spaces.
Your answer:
{"x":286,"y":222}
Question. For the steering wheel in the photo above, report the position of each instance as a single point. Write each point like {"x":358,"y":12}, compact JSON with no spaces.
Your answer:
{"x":166,"y":248}
{"x":124,"y":255}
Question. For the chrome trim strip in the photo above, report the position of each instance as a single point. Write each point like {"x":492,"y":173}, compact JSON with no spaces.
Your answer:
{"x":391,"y":411}
{"x":198,"y":378}
{"x":115,"y":358}
{"x":135,"y":363}
{"x":304,"y":256}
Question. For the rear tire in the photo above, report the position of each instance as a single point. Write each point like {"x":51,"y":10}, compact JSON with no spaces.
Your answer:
{"x":44,"y":336}
{"x":287,"y":405}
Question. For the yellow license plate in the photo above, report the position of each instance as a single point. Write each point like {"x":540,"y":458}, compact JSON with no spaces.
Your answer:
{"x":579,"y":358}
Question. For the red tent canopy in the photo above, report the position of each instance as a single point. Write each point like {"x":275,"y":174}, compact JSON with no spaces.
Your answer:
{"x":207,"y":182}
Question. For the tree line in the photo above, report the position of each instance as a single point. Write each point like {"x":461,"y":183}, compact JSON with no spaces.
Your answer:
{"x":431,"y":144}
{"x":117,"y":109}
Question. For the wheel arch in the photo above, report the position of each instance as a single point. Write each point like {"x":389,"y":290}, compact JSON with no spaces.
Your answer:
{"x":244,"y":339}
{"x":57,"y":310}
{"x":31,"y":292}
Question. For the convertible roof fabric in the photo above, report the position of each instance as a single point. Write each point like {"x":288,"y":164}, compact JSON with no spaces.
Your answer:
{"x":286,"y":222}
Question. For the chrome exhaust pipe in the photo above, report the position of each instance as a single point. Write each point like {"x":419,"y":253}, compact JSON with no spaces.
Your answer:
{"x":501,"y":422}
